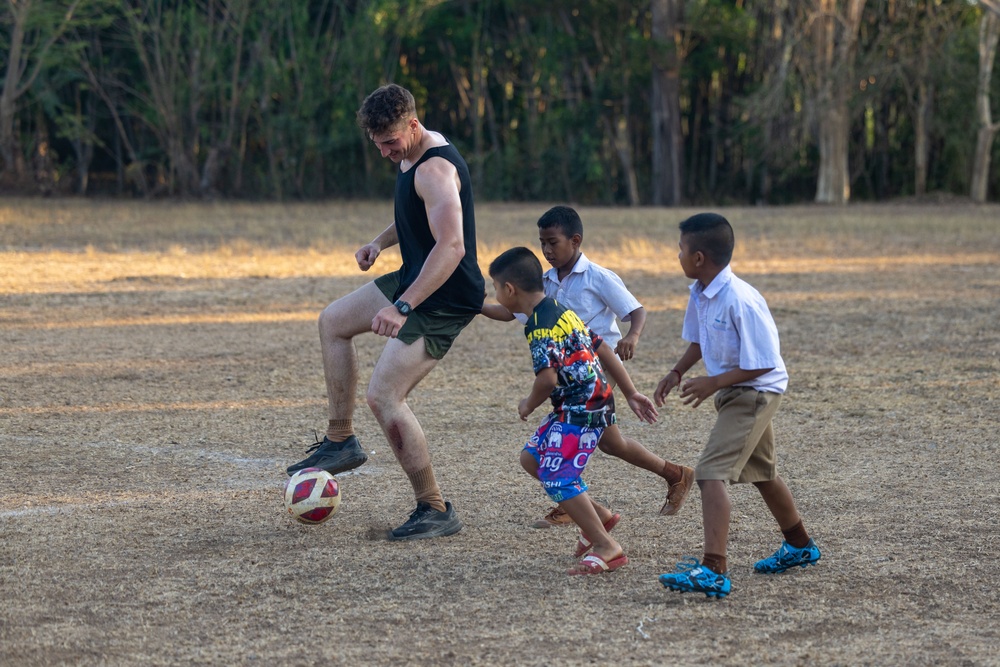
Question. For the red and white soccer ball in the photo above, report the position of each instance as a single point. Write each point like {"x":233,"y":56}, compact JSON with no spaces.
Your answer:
{"x":312,"y":495}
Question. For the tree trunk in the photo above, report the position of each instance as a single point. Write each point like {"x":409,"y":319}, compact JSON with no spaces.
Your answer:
{"x":989,"y":33}
{"x":19,"y":76}
{"x":617,"y":130}
{"x":83,"y":146}
{"x":668,"y":140}
{"x":10,"y":152}
{"x":836,"y":51}
{"x":833,"y":184}
{"x":921,"y":114}
{"x":921,"y":145}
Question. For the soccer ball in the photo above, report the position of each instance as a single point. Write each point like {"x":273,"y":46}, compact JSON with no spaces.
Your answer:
{"x":312,"y":495}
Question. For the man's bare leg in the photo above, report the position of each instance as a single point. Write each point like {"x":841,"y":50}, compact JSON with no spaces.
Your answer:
{"x":400,"y":368}
{"x":339,"y":323}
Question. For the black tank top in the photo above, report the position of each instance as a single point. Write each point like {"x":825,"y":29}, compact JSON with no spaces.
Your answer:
{"x":463,"y":291}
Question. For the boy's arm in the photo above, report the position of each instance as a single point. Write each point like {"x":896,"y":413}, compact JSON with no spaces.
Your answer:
{"x":545,"y":381}
{"x":673,"y":377}
{"x":697,"y":389}
{"x":626,"y":346}
{"x":495,"y":311}
{"x":641,"y":405}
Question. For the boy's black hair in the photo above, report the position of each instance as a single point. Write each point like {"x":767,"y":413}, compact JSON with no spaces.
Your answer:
{"x":711,"y":234}
{"x":565,"y":218}
{"x":385,"y":108}
{"x":520,"y":267}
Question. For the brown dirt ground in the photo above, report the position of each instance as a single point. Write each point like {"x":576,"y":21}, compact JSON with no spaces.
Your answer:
{"x":160,"y":369}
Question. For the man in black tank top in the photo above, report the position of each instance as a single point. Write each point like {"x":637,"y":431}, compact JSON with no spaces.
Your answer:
{"x":420,"y":308}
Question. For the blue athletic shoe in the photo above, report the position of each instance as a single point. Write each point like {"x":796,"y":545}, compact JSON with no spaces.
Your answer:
{"x":693,"y":577}
{"x":788,"y":556}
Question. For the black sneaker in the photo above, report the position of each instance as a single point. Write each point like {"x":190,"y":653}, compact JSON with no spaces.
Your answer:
{"x":427,"y":522}
{"x":333,"y":457}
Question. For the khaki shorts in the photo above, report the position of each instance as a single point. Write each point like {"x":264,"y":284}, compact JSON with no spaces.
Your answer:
{"x":740,"y":449}
{"x":438,"y":328}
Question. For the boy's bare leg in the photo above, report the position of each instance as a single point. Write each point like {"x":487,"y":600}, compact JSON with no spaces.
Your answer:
{"x":715,"y":510}
{"x":583,"y":512}
{"x":530,"y":466}
{"x":613,"y":442}
{"x":779,"y":501}
{"x":680,"y":478}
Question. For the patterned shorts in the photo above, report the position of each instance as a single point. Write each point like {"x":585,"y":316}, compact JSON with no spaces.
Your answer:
{"x":562,"y":451}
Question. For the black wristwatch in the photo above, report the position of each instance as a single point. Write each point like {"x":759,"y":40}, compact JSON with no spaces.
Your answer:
{"x":403,"y":307}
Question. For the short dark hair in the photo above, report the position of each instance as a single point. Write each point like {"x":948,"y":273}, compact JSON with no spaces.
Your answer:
{"x":385,"y":108}
{"x":520,"y":267}
{"x":711,"y":234}
{"x":565,"y":218}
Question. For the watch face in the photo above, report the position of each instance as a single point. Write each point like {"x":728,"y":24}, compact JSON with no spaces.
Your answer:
{"x":403,"y":307}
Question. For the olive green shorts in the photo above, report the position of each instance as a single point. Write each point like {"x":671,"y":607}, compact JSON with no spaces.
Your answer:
{"x":741,"y":446}
{"x":438,"y":328}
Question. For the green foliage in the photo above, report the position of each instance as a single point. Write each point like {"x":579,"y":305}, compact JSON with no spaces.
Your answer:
{"x":547,"y":100}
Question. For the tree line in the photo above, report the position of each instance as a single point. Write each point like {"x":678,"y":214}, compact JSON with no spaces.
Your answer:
{"x":609,"y":102}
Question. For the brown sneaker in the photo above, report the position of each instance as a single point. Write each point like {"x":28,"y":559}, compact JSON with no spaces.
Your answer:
{"x":555,"y":517}
{"x":678,"y":492}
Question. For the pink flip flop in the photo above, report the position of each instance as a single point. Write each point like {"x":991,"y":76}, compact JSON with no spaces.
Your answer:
{"x":594,"y":564}
{"x":583,"y":543}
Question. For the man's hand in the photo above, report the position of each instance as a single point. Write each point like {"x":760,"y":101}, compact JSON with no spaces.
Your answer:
{"x":643,"y":407}
{"x":388,"y":321}
{"x":366,"y":257}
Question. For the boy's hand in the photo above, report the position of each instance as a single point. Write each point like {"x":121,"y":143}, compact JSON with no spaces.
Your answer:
{"x":696,"y":390}
{"x":643,"y":408}
{"x":626,"y":347}
{"x":524,"y":409}
{"x":666,"y":385}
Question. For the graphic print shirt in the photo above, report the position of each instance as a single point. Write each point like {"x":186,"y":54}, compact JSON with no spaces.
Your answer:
{"x":559,"y":339}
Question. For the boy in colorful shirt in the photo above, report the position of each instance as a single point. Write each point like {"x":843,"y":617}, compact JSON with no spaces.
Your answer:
{"x":599,"y":297}
{"x":569,"y":363}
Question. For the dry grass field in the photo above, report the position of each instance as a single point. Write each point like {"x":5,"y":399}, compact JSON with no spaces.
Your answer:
{"x":160,"y":368}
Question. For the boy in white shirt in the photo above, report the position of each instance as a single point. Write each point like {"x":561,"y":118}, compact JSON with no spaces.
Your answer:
{"x":730,"y":328}
{"x":599,"y":297}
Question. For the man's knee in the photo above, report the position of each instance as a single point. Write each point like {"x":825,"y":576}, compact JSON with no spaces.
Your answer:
{"x":376,"y":401}
{"x":336,"y":321}
{"x":328,"y":320}
{"x":383,"y":401}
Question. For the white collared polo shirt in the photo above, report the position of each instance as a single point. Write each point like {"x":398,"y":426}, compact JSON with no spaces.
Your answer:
{"x":731,"y":322}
